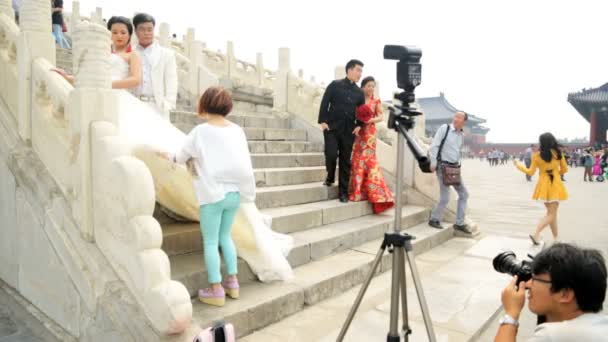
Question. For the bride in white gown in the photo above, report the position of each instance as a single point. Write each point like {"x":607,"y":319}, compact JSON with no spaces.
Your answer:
{"x":143,"y":127}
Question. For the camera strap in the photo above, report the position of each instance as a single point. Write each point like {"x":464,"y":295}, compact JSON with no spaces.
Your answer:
{"x":447,"y":131}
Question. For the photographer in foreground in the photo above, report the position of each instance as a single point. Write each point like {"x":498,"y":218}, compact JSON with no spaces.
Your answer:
{"x":568,"y":287}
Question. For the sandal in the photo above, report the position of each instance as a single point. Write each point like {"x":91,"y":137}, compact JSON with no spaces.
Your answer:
{"x":534,"y":241}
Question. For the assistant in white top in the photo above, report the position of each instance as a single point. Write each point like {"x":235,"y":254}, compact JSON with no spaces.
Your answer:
{"x":222,"y":162}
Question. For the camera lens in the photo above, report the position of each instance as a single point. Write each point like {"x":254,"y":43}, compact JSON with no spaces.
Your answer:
{"x":506,"y":262}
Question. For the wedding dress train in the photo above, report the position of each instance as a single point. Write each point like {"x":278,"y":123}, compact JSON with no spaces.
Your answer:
{"x":143,"y":127}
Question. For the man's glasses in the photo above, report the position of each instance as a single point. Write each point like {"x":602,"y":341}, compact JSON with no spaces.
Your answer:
{"x":541,"y":280}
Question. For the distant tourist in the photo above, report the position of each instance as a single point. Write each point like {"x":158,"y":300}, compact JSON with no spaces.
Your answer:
{"x":528,"y":160}
{"x":58,"y":24}
{"x":588,"y":165}
{"x":366,"y":179}
{"x":337,"y":118}
{"x":445,"y":153}
{"x":568,"y":288}
{"x":16,"y":6}
{"x":159,"y":68}
{"x":550,"y":189}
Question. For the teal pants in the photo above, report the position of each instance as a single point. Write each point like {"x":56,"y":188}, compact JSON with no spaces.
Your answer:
{"x":216,"y":226}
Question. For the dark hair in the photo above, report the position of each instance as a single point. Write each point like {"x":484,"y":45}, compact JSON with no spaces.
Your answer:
{"x":581,"y":270}
{"x":142,"y":18}
{"x":367,"y":80}
{"x":121,"y":20}
{"x":548,"y":144}
{"x":353,"y":63}
{"x":215,"y":100}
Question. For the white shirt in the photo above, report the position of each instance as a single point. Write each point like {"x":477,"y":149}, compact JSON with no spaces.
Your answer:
{"x":588,"y":327}
{"x":146,"y":88}
{"x":451,"y":148}
{"x":222,"y":162}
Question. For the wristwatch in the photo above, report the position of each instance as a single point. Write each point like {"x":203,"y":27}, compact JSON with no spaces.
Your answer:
{"x":506,"y":319}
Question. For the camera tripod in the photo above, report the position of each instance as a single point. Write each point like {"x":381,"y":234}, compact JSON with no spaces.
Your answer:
{"x":398,"y":244}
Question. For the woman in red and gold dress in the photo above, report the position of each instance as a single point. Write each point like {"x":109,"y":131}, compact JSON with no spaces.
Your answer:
{"x":366,"y":180}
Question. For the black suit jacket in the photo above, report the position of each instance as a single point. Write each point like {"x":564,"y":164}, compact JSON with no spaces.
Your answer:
{"x":339,"y":105}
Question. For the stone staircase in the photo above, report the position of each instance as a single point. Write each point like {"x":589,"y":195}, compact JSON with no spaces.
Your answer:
{"x":334,"y":242}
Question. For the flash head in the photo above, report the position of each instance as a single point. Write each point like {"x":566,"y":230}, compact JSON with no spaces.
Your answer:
{"x":409,"y":69}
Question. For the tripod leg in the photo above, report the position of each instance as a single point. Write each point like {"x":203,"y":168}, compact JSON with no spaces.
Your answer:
{"x":406,"y":323}
{"x":364,"y":287}
{"x":393,"y":333}
{"x":421,"y":299}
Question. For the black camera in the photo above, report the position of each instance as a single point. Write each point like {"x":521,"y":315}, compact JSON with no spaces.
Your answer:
{"x":507,"y":262}
{"x":409,"y":76}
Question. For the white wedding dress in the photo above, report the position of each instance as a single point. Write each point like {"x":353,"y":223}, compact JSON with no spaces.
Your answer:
{"x":143,"y":127}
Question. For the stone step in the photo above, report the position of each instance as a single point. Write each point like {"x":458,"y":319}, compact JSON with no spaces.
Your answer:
{"x":244,"y":120}
{"x":263,"y":304}
{"x":286,"y":195}
{"x":275,"y":134}
{"x":309,"y":245}
{"x":461,"y":293}
{"x":289,"y":176}
{"x":300,"y":217}
{"x":285,"y":147}
{"x":183,"y":238}
{"x":282,"y":160}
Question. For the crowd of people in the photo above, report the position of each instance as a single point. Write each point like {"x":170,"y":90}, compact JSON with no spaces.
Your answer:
{"x":595,"y":162}
{"x":497,"y":157}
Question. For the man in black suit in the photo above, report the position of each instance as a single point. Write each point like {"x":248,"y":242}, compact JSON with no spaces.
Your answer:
{"x":339,"y":124}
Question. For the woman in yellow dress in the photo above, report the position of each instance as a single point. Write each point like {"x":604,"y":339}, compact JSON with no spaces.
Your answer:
{"x":550,"y":189}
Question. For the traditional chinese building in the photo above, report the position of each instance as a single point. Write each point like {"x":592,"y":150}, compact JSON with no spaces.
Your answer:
{"x":438,"y":111}
{"x":592,"y":104}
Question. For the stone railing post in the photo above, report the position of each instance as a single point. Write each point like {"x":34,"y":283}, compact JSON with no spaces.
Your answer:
{"x":91,"y":100}
{"x":189,"y":39}
{"x":164,"y":35}
{"x":230,"y":61}
{"x":134,"y":40}
{"x":75,"y":19}
{"x":35,"y":41}
{"x":259,"y":66}
{"x":281,"y":82}
{"x":7,"y":8}
{"x":339,"y":72}
{"x":196,"y":50}
{"x":97,"y":16}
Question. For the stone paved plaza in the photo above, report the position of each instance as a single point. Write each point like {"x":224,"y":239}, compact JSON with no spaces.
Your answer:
{"x":500,"y":203}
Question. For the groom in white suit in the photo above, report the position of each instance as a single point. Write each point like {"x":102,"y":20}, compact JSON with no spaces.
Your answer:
{"x":159,"y":69}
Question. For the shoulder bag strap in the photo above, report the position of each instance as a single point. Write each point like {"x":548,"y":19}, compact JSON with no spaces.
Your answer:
{"x":447,"y":131}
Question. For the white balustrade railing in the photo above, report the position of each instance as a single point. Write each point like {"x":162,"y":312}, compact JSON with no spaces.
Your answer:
{"x":9,"y":36}
{"x":50,"y":125}
{"x":73,"y":130}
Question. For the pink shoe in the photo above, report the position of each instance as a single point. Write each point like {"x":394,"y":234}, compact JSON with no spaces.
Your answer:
{"x":232,"y":288}
{"x":212,"y":297}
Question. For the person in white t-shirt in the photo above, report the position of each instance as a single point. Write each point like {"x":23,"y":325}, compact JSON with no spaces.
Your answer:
{"x":224,"y":178}
{"x":568,"y":288}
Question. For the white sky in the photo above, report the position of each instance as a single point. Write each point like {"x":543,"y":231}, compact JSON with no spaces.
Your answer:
{"x":511,"y":62}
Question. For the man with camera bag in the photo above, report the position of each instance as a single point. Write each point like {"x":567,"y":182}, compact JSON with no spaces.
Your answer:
{"x":567,"y":287}
{"x":445,"y":160}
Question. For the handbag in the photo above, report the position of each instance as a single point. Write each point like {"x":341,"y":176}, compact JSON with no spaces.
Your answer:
{"x":450,"y":174}
{"x":219,"y":332}
{"x":64,"y":27}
